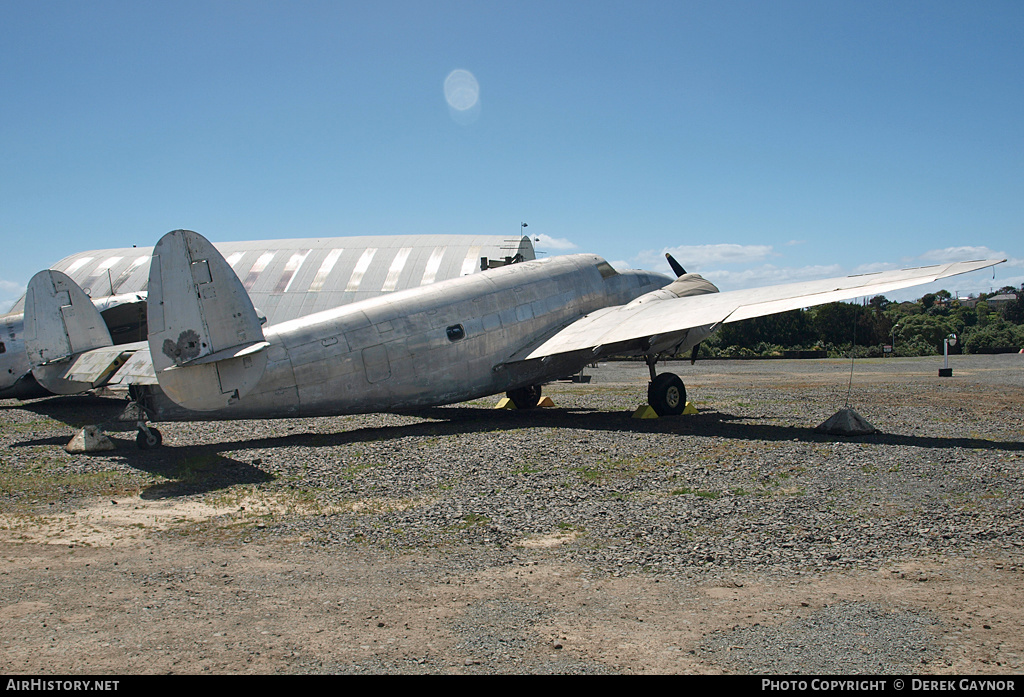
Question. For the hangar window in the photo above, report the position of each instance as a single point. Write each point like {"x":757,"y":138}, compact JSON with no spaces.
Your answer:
{"x":456,"y":332}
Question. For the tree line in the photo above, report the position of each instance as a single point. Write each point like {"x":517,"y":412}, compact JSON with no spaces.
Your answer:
{"x":910,"y":328}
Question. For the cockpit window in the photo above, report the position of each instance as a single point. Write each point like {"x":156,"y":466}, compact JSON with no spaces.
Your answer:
{"x":606,"y":269}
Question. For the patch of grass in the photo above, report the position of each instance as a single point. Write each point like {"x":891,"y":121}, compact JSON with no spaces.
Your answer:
{"x":470,"y":520}
{"x":350,"y":472}
{"x":607,"y":470}
{"x":590,"y":474}
{"x":704,"y":494}
{"x":26,"y":426}
{"x":38,"y":485}
{"x":198,"y":467}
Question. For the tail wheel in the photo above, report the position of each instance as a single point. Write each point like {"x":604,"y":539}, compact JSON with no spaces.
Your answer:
{"x":149,"y":439}
{"x":667,"y":395}
{"x":525,"y":397}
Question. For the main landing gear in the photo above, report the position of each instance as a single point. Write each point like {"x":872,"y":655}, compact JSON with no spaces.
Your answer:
{"x":666,"y":393}
{"x":525,"y":397}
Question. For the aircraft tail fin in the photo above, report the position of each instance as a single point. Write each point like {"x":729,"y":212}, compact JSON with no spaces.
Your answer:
{"x":205,"y":336}
{"x":61,"y":323}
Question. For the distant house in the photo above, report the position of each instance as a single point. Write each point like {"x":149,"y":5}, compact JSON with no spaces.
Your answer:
{"x":1001,"y":300}
{"x":994,"y":302}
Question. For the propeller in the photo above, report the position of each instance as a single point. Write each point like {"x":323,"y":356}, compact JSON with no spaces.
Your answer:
{"x":694,"y":352}
{"x":677,"y":269}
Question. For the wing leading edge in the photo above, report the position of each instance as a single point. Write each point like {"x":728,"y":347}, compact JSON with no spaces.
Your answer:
{"x":644,"y":322}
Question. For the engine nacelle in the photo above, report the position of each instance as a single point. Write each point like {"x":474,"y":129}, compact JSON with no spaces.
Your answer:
{"x":685,"y":285}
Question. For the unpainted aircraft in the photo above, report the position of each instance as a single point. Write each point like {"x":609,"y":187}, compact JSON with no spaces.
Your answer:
{"x":509,"y":329}
{"x":286,"y":279}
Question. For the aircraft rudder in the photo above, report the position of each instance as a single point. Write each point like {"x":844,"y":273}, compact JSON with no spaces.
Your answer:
{"x":205,"y":337}
{"x":61,"y":323}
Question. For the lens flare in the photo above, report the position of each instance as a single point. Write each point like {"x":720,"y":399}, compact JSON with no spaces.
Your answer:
{"x":461,"y":90}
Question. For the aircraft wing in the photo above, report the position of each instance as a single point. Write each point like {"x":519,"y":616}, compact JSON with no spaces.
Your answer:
{"x":611,"y":329}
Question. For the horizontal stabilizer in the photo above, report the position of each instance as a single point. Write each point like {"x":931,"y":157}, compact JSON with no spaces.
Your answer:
{"x":138,"y":370}
{"x":97,"y":365}
{"x":60,"y":324}
{"x":205,"y":337}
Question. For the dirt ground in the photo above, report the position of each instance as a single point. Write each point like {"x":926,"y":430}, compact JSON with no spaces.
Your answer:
{"x":172,"y":606}
{"x":120,"y":584}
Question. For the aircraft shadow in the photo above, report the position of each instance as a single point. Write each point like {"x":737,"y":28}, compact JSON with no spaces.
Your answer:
{"x":464,"y":420}
{"x":201,"y":468}
{"x":193,"y":469}
{"x":711,"y":424}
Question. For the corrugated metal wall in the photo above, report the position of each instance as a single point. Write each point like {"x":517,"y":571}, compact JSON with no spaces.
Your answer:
{"x":296,"y":277}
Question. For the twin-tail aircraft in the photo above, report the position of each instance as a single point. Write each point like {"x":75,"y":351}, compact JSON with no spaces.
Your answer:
{"x":509,"y":329}
{"x":285,"y":278}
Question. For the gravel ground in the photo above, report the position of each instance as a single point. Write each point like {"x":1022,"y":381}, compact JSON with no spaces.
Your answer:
{"x":564,"y":540}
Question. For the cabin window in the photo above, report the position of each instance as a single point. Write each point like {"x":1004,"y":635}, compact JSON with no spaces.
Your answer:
{"x":455,"y":332}
{"x":3,"y":349}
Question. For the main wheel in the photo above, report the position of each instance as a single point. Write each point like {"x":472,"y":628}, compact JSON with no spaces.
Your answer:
{"x":525,"y":397}
{"x":667,"y":395}
{"x":149,"y":441}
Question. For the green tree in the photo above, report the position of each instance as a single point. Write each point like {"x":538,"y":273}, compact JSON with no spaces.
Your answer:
{"x":846,"y":323}
{"x":929,"y":330}
{"x":791,"y":328}
{"x":982,"y":311}
{"x":997,"y":335}
{"x":1014,"y":312}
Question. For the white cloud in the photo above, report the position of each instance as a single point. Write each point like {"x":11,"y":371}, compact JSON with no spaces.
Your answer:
{"x":769,"y":275}
{"x":548,"y":242}
{"x":1006,"y":274}
{"x":940,"y":256}
{"x":697,"y":257}
{"x":877,"y":266}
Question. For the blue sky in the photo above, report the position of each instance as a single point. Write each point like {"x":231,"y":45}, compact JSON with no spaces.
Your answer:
{"x":762,"y":142}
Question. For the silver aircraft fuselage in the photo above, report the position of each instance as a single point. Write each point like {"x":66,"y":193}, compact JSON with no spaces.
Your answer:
{"x":452,"y":341}
{"x":15,"y":376}
{"x":285,"y":278}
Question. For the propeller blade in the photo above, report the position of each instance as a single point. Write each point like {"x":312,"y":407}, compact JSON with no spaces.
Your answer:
{"x":677,"y":269}
{"x":694,"y":352}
